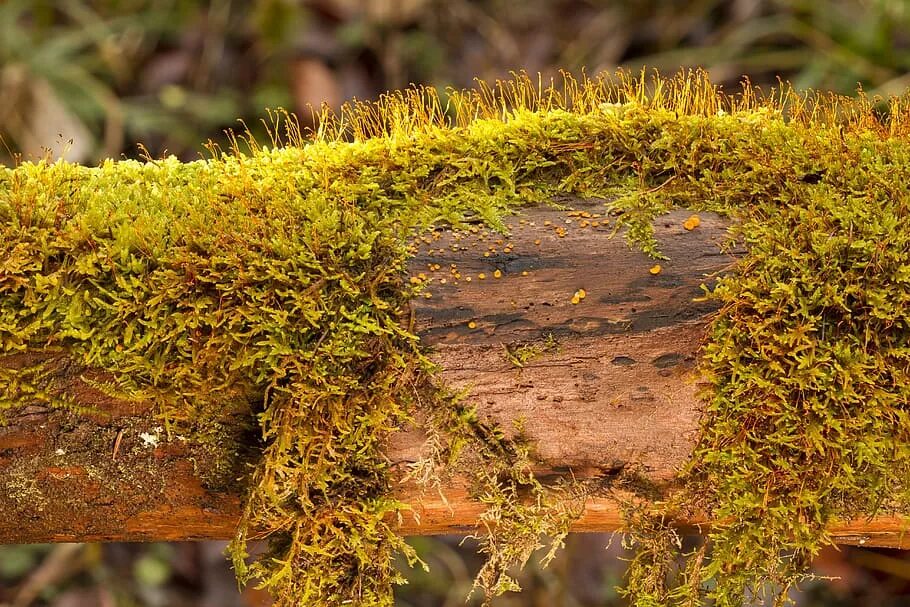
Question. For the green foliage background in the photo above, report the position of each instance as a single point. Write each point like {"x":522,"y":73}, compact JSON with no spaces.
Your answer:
{"x":173,"y":73}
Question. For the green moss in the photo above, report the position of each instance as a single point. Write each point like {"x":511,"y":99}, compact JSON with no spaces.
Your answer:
{"x":521,"y":354}
{"x":35,"y":383}
{"x":273,"y":281}
{"x":520,"y":510}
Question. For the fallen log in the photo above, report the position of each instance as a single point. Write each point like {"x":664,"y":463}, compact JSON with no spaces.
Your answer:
{"x":603,"y":385}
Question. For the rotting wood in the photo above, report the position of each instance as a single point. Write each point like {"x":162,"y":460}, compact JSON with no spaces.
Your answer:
{"x":617,"y":393}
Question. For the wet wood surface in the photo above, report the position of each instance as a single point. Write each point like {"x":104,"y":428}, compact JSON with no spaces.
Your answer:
{"x":602,"y":383}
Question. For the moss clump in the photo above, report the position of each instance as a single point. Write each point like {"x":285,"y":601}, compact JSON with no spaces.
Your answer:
{"x":521,"y":354}
{"x":273,"y":281}
{"x":808,"y":417}
{"x":520,"y":509}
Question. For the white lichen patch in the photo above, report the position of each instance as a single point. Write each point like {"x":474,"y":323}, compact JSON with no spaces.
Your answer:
{"x":149,"y":439}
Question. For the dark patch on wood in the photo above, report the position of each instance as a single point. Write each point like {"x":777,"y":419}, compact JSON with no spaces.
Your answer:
{"x":623,"y":361}
{"x":670,"y":359}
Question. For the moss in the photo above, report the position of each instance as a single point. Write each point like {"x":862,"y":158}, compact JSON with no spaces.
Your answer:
{"x":220,"y":448}
{"x":520,"y":354}
{"x":273,"y":281}
{"x":520,"y":509}
{"x":36,"y":383}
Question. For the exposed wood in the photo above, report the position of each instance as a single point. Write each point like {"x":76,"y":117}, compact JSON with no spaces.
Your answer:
{"x":618,"y":392}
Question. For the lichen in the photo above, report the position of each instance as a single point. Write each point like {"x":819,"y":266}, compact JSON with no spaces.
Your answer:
{"x":273,"y":280}
{"x":25,"y":491}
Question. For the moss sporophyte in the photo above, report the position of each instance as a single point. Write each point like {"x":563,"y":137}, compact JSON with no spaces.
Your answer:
{"x":275,"y":280}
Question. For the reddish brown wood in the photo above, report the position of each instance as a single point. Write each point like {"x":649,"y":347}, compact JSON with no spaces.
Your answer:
{"x":618,"y":393}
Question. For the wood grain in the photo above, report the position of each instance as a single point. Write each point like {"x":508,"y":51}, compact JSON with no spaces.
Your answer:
{"x":614,"y":387}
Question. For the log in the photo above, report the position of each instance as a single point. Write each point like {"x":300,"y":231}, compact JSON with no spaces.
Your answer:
{"x":612,"y":387}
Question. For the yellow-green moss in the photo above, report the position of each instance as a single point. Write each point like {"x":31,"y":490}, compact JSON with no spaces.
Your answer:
{"x":521,"y":354}
{"x":273,"y":281}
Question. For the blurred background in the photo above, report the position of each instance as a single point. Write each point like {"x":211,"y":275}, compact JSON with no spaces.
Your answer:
{"x":89,"y":79}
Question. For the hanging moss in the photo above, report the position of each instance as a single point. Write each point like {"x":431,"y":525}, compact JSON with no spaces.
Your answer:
{"x":273,"y":280}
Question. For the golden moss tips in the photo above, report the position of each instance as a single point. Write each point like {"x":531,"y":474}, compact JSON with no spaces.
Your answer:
{"x":399,"y":115}
{"x":273,"y":281}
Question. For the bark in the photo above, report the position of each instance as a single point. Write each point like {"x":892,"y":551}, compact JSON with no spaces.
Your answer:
{"x":618,"y":393}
